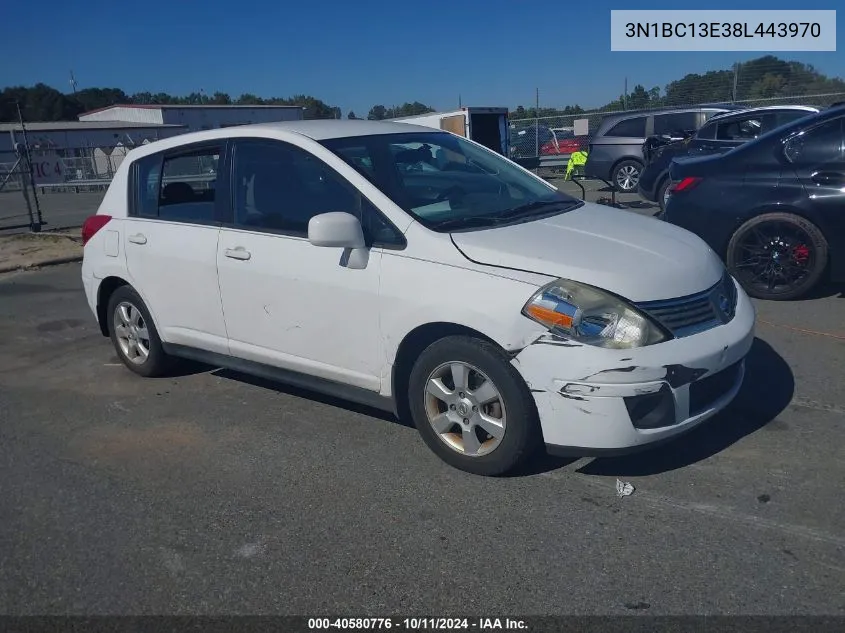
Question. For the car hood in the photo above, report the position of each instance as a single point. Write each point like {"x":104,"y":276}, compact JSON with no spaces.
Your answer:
{"x":637,"y":257}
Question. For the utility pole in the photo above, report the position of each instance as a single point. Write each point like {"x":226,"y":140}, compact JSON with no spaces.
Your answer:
{"x":736,"y":79}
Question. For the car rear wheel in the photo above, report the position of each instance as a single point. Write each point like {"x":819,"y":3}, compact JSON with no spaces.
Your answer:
{"x":777,"y":256}
{"x":663,"y":194}
{"x":472,"y":407}
{"x":134,"y":334}
{"x":626,"y":176}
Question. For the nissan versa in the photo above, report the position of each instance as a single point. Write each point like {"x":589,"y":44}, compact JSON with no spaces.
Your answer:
{"x":415,"y":270}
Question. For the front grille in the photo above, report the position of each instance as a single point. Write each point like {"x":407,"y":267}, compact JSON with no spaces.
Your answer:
{"x":696,"y":313}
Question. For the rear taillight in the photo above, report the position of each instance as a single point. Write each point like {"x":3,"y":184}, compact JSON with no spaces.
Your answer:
{"x":685,"y":184}
{"x":92,"y":225}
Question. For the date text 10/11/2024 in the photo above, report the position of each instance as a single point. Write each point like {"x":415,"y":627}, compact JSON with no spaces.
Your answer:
{"x":723,"y":29}
{"x":417,"y":624}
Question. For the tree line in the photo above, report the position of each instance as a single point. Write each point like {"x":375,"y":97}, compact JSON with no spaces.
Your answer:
{"x":44,"y":103}
{"x":766,"y":77}
{"x":763,"y":78}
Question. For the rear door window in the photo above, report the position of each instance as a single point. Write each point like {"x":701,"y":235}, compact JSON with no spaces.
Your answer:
{"x":631,"y":128}
{"x":740,"y":129}
{"x":708,"y":132}
{"x":179,"y":186}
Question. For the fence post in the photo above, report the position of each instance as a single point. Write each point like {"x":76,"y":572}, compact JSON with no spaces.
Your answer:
{"x":27,"y":186}
{"x":537,"y":124}
{"x":34,"y":226}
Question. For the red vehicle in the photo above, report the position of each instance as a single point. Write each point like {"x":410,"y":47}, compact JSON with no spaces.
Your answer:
{"x":564,"y":142}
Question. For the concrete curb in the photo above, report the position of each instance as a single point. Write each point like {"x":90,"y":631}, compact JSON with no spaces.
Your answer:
{"x":40,"y":264}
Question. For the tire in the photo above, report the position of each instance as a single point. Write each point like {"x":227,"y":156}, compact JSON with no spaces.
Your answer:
{"x":630,"y":184}
{"x":513,"y":409}
{"x":771,"y":239}
{"x":134,"y":313}
{"x":661,"y":194}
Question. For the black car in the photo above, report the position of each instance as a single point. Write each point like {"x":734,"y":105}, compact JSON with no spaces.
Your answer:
{"x":772,"y":208}
{"x":721,"y":133}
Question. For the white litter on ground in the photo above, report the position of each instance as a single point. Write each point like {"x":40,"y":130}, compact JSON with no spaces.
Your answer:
{"x":624,"y":488}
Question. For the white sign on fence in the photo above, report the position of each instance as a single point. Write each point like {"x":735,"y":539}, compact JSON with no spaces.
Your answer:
{"x":582,"y":127}
{"x":47,"y":168}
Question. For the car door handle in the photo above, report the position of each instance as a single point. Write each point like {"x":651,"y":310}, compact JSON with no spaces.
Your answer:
{"x":138,"y":239}
{"x":238,"y":253}
{"x":828,"y":178}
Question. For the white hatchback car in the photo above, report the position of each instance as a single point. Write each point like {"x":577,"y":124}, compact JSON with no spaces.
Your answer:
{"x":414,"y":270}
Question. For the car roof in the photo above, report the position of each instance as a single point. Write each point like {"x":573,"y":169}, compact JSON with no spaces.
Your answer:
{"x":612,"y":119}
{"x":745,"y":111}
{"x":316,"y":129}
{"x":633,"y":114}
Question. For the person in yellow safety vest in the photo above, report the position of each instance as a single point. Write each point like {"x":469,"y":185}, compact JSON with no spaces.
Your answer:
{"x":576,"y":159}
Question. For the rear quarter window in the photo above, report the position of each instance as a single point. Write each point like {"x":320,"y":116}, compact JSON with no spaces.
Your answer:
{"x":634,"y":127}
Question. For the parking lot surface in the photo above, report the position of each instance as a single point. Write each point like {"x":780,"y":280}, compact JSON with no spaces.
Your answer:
{"x":212,"y":492}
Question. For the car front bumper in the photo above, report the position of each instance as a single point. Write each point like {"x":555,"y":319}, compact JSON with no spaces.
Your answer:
{"x":594,"y":401}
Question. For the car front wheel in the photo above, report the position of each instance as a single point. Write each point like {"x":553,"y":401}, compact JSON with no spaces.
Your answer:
{"x":472,"y":407}
{"x":777,"y":256}
{"x":626,"y":176}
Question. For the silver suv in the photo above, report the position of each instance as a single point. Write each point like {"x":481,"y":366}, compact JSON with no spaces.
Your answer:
{"x":616,"y":149}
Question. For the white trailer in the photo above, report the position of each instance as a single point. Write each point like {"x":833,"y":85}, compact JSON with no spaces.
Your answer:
{"x":487,"y":126}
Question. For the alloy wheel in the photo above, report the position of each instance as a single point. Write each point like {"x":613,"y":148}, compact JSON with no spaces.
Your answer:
{"x":627,"y":177}
{"x":131,"y":332}
{"x":774,"y":257}
{"x":465,"y":409}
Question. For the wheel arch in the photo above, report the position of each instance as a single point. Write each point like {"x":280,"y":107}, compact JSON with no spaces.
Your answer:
{"x":104,"y":293}
{"x":409,"y":350}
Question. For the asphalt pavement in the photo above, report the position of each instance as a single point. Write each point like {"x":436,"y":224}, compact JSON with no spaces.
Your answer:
{"x":212,"y":492}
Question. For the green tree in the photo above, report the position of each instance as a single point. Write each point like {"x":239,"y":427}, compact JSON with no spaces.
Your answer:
{"x":221,"y":98}
{"x":96,"y":98}
{"x":377,"y":113}
{"x":351,"y":115}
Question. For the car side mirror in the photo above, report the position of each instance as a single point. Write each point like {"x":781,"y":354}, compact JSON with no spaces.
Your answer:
{"x":336,"y":230}
{"x":340,"y":230}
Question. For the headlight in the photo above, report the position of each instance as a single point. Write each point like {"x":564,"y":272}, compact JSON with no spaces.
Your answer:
{"x":589,"y":315}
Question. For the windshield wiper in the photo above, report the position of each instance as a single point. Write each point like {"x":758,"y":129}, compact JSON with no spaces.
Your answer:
{"x":504,"y":216}
{"x":469,"y":221}
{"x":530,"y":207}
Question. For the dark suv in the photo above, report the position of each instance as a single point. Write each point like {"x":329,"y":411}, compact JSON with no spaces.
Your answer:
{"x":721,"y":133}
{"x":616,"y":149}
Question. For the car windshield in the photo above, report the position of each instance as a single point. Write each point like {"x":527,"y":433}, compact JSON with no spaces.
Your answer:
{"x":448,"y":183}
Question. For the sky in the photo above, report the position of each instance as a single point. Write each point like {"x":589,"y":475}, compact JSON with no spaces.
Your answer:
{"x":354,"y":54}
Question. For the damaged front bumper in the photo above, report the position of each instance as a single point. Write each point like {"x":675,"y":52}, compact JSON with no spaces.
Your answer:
{"x":595,"y":401}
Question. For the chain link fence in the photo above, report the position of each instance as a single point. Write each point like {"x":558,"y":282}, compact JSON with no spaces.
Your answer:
{"x":554,"y":137}
{"x":82,"y":169}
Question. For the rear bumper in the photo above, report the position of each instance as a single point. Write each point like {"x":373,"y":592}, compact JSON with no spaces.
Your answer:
{"x":600,"y":169}
{"x":91,"y":286}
